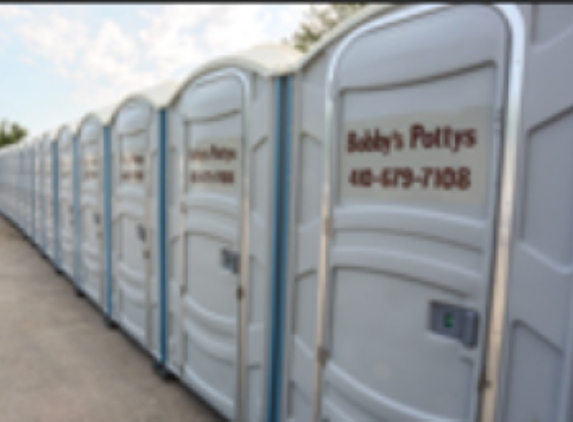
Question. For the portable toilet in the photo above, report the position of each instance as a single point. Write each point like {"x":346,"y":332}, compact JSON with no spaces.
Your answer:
{"x":88,"y":200}
{"x":66,"y":221}
{"x":132,"y":284}
{"x":416,"y":151}
{"x":30,"y":181}
{"x":224,"y":129}
{"x":31,"y":193}
{"x":23,"y":187}
{"x":49,"y":203}
{"x":3,"y":183}
{"x":6,"y":164}
{"x":38,"y":190}
{"x":9,"y":186}
{"x":55,"y":189}
{"x":18,"y":186}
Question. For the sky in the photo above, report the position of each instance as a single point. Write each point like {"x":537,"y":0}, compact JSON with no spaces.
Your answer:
{"x":60,"y":62}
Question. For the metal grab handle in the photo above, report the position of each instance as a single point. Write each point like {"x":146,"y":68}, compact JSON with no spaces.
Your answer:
{"x":230,"y":260}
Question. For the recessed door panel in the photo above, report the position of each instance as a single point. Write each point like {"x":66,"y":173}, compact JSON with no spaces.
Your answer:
{"x":416,"y":167}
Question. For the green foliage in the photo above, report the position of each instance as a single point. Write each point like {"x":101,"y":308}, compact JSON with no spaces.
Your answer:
{"x":11,"y":133}
{"x":319,"y":21}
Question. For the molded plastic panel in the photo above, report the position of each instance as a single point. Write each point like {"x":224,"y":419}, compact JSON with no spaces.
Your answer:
{"x":415,"y":167}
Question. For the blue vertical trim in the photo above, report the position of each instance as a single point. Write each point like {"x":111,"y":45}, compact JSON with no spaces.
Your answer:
{"x":275,"y":256}
{"x":280,"y":245}
{"x":285,"y":224}
{"x":77,"y":215}
{"x":107,"y":217}
{"x":56,"y":200}
{"x":162,"y":237}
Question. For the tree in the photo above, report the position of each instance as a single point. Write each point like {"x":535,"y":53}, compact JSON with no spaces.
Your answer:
{"x":319,"y":21}
{"x":14,"y":134}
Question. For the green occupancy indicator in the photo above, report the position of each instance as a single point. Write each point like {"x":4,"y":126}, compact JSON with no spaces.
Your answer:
{"x":448,"y":320}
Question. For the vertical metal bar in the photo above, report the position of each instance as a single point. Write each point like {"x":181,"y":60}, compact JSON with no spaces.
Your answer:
{"x":162,"y":237}
{"x":148,"y":184}
{"x":506,"y":214}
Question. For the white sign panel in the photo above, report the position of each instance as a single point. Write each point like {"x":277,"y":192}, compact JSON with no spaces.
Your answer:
{"x":439,"y":157}
{"x":214,"y":165}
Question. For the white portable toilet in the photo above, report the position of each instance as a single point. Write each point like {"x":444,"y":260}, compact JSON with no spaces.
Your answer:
{"x":133,"y":279}
{"x":224,"y":124}
{"x":88,"y":199}
{"x":48,"y":182}
{"x":30,"y":188}
{"x":22,"y":186}
{"x":38,"y":190}
{"x":65,"y":147}
{"x":18,"y":183}
{"x":5,"y":183}
{"x":417,"y":138}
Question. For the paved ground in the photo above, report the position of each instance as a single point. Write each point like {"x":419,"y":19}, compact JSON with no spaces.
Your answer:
{"x":58,"y":362}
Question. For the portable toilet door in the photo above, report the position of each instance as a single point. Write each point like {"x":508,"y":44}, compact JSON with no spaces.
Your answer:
{"x":133,"y":289}
{"x":48,"y":198}
{"x":38,"y":191}
{"x":42,"y":149}
{"x":65,"y":147}
{"x":32,"y":185}
{"x":223,"y":126}
{"x":7,"y":169}
{"x":24,"y":189}
{"x":400,"y":120}
{"x":18,"y":185}
{"x":2,"y":183}
{"x":90,"y":206}
{"x":55,"y":182}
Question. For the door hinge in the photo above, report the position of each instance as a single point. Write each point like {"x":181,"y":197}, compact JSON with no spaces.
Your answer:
{"x":483,"y":382}
{"x":328,"y":226}
{"x":240,"y":292}
{"x":321,"y":355}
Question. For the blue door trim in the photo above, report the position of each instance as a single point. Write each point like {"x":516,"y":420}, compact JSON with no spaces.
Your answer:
{"x":280,"y":245}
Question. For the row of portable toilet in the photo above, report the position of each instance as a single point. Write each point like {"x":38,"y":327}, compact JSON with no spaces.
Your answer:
{"x":378,"y":230}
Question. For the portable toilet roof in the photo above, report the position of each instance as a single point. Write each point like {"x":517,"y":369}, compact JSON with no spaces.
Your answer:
{"x":63,"y":126}
{"x":158,"y":95}
{"x":265,"y":59}
{"x":104,"y":115}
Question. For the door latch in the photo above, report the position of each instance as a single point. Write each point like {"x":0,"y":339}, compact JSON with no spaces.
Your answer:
{"x":230,"y":260}
{"x":455,"y":322}
{"x":141,"y":232}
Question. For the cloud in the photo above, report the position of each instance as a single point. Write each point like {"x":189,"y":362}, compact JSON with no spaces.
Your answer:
{"x":110,"y":59}
{"x":10,"y":11}
{"x":54,"y":36}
